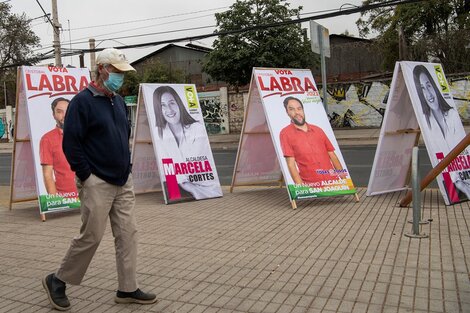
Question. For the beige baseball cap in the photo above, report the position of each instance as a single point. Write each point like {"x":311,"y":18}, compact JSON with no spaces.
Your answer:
{"x":114,"y":57}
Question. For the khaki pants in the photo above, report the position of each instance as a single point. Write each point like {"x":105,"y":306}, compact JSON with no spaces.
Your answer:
{"x":98,"y":201}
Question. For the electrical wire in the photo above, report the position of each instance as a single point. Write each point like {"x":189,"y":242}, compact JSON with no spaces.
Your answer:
{"x":77,"y":41}
{"x":251,"y":28}
{"x":52,"y":24}
{"x":147,"y":19}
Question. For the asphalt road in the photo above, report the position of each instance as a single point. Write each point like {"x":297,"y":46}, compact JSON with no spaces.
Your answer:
{"x":358,"y":159}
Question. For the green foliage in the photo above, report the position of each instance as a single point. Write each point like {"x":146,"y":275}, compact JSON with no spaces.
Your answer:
{"x":130,"y":87}
{"x":16,"y":37}
{"x":235,"y":55}
{"x":431,"y":29}
{"x":154,"y":72}
{"x":16,"y":43}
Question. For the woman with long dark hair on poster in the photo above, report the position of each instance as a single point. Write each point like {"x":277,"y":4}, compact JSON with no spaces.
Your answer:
{"x":441,"y":119}
{"x":440,"y":116}
{"x":184,"y":138}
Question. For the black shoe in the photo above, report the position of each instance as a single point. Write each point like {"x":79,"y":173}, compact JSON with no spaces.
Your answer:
{"x":137,"y":296}
{"x":55,"y":289}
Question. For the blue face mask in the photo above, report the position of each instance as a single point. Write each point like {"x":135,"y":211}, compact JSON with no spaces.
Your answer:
{"x":114,"y":81}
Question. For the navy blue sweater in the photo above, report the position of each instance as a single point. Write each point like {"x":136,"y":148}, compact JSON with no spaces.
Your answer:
{"x":96,"y":136}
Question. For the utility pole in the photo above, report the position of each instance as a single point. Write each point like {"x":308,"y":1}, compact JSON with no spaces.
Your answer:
{"x":402,"y":47}
{"x":320,"y":40}
{"x":91,"y":43}
{"x":56,"y":26}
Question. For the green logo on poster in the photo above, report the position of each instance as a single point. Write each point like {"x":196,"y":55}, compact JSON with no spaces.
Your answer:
{"x":191,"y":97}
{"x":441,"y":78}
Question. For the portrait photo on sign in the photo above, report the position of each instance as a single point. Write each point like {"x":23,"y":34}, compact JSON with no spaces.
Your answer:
{"x":308,"y":152}
{"x":48,"y":93}
{"x":184,"y":156}
{"x":441,"y":126}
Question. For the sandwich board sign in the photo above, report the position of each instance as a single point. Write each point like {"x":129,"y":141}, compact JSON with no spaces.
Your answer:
{"x":171,"y":145}
{"x":39,"y":168}
{"x":286,"y":136}
{"x":420,"y":103}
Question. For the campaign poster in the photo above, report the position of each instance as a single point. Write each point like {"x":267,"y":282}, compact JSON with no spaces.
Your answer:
{"x":256,"y":158}
{"x":440,"y":124}
{"x":144,"y":163}
{"x":184,"y":156}
{"x":307,"y":150}
{"x":23,"y":182}
{"x":399,"y":133}
{"x":47,"y":92}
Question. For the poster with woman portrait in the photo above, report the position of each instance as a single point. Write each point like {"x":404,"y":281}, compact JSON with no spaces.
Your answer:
{"x":440,"y":125}
{"x":184,"y":156}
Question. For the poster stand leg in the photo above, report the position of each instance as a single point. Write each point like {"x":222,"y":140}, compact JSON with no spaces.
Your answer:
{"x":294,"y":205}
{"x":356,"y":196}
{"x":43,"y":217}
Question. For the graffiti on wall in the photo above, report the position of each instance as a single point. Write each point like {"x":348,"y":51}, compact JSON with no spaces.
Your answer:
{"x":359,"y":104}
{"x":363,"y":104}
{"x":214,"y":113}
{"x":461,"y":92}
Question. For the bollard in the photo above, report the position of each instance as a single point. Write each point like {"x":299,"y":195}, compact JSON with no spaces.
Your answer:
{"x":416,"y":191}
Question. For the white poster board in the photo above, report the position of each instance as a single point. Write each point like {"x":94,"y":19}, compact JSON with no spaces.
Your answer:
{"x":256,"y":161}
{"x":23,"y":181}
{"x":420,"y":102}
{"x":310,"y":160}
{"x":39,"y":143}
{"x":184,"y":158}
{"x":144,"y":163}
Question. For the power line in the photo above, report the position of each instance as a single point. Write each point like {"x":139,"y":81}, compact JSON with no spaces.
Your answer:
{"x":159,"y":33}
{"x":138,"y":28}
{"x":270,"y":25}
{"x":148,"y":19}
{"x":47,"y":15}
{"x":251,"y":28}
{"x":77,"y":41}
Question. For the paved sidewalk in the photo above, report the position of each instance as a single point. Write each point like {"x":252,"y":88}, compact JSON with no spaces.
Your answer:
{"x":250,"y":252}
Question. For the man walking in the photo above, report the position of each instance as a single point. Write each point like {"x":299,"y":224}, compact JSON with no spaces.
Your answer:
{"x":96,"y":144}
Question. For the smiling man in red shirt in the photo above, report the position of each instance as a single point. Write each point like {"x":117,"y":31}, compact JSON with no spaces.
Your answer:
{"x":58,"y":177}
{"x":309,"y":154}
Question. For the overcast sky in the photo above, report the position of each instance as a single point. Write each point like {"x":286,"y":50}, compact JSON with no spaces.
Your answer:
{"x":113,"y":22}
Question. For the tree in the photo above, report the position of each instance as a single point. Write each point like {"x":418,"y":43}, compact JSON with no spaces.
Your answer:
{"x":430,"y":29}
{"x":16,"y":43}
{"x":235,"y":55}
{"x":154,"y":72}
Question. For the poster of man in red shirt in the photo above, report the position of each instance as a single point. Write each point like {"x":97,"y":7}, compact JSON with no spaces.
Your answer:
{"x":307,"y":150}
{"x":45,"y":88}
{"x":58,"y":177}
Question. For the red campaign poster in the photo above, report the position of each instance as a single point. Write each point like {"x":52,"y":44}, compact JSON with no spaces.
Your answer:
{"x":306,"y":148}
{"x":47,"y":92}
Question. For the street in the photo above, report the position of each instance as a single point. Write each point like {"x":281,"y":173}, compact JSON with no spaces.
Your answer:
{"x":359,"y":161}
